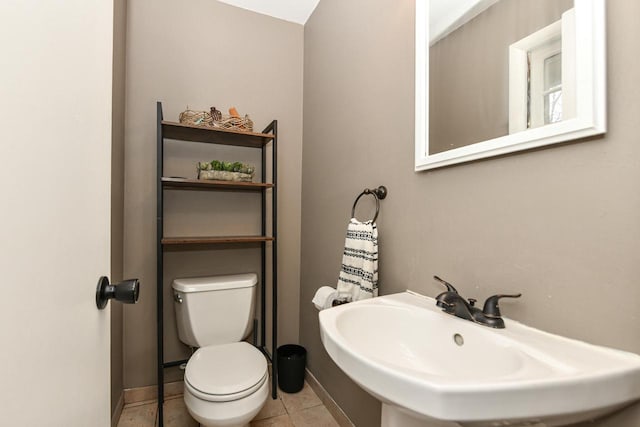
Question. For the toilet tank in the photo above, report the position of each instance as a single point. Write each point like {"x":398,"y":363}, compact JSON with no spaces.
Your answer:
{"x":216,"y":309}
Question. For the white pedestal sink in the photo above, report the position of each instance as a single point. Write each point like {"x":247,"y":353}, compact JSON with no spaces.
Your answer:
{"x":433,"y":369}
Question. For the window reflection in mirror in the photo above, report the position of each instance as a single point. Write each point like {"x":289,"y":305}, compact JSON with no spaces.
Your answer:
{"x":541,"y":74}
{"x":552,"y":93}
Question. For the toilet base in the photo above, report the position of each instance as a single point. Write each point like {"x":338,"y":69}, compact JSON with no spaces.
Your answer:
{"x":236,"y":413}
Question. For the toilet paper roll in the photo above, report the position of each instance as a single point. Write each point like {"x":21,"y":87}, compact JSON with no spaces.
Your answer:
{"x":324,"y":297}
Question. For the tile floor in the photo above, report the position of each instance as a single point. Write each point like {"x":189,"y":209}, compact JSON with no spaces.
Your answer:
{"x":302,"y":409}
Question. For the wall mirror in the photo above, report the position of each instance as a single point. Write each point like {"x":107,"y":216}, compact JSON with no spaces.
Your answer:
{"x":498,"y":76}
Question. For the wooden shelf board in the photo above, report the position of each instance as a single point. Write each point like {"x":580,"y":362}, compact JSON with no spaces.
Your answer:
{"x":208,"y":240}
{"x":179,"y":131}
{"x":201,"y":184}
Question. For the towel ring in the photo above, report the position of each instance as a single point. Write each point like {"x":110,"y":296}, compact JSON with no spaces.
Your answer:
{"x":377,"y":193}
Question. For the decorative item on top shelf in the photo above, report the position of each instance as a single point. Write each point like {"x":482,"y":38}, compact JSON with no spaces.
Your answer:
{"x":215,"y":118}
{"x":216,"y":114}
{"x":225,"y":171}
{"x":197,"y":118}
{"x":233,"y":121}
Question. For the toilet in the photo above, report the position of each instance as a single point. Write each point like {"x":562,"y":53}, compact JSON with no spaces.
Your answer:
{"x":226,"y":379}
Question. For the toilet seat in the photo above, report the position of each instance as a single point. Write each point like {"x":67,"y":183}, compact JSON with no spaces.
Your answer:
{"x":227,"y":372}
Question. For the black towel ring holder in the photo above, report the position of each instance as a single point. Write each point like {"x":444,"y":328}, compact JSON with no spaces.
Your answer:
{"x":377,"y":193}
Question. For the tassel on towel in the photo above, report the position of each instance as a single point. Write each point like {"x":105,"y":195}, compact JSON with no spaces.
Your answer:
{"x":359,"y":273}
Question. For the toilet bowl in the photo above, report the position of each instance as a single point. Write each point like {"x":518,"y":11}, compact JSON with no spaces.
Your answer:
{"x":226,"y":385}
{"x":226,"y":381}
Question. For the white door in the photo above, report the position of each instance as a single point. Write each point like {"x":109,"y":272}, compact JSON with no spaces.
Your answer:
{"x":55,"y":148}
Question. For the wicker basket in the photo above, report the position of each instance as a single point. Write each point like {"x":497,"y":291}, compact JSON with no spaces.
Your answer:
{"x":196,"y":118}
{"x":244,"y":124}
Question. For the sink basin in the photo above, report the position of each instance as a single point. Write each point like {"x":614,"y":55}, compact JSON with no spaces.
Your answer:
{"x":428,"y":366}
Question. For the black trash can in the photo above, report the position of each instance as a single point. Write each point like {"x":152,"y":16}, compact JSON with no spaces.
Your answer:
{"x":292,"y":359}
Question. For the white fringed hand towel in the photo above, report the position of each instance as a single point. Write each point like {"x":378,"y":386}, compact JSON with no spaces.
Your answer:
{"x":359,"y":273}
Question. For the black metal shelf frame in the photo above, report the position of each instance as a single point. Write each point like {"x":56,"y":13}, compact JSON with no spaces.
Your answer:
{"x":272,"y":130}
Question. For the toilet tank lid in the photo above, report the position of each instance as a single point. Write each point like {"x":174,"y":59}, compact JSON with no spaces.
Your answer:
{"x":215,"y":283}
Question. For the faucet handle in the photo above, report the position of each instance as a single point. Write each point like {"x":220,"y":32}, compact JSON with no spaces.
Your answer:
{"x":449,"y":286}
{"x":491,"y":308}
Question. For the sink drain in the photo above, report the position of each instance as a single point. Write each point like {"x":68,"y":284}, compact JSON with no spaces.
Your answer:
{"x":457,"y":338}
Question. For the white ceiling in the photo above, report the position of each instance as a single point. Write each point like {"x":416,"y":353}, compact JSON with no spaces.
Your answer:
{"x":297,"y":11}
{"x":445,"y":15}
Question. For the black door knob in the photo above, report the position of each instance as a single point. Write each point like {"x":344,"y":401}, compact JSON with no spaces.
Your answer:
{"x":126,"y":292}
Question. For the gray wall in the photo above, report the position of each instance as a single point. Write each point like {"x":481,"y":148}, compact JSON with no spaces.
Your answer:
{"x":559,"y":224}
{"x":469,"y":72}
{"x":201,"y":55}
{"x":117,"y":196}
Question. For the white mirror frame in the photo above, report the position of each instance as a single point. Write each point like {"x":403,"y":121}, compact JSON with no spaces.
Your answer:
{"x":590,"y":95}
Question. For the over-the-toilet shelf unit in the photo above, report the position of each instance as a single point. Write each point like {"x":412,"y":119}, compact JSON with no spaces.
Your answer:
{"x":268,"y":138}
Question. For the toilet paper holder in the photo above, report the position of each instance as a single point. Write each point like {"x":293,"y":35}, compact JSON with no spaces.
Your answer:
{"x":340,"y":301}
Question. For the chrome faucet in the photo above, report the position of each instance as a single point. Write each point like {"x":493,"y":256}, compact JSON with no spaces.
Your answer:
{"x":453,"y":303}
